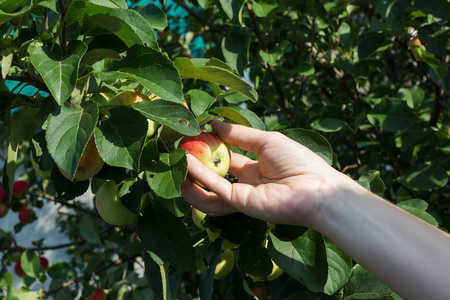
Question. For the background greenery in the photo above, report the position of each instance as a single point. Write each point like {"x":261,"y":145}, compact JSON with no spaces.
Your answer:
{"x":341,"y":77}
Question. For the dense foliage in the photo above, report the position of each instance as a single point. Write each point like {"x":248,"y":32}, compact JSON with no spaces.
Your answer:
{"x":365,"y":84}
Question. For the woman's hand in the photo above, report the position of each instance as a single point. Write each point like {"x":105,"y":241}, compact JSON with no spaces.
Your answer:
{"x":287,"y":184}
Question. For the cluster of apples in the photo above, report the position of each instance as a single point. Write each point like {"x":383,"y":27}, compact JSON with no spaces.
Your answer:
{"x":43,"y":262}
{"x":206,"y":146}
{"x":17,"y":201}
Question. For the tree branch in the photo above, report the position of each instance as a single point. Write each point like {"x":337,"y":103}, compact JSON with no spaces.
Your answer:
{"x":283,"y":102}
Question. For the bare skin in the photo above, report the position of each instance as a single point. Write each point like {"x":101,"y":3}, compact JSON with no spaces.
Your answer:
{"x":289,"y":184}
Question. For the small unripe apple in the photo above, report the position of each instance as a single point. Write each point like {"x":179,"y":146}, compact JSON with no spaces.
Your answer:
{"x":19,"y":270}
{"x":276,"y":272}
{"x":98,"y":294}
{"x":46,"y":174}
{"x":210,"y":150}
{"x":3,"y":210}
{"x":110,"y":207}
{"x":199,"y":218}
{"x":128,"y":98}
{"x":226,"y":264}
{"x":26,"y":216}
{"x":43,"y":262}
{"x":20,"y":189}
{"x":89,"y":165}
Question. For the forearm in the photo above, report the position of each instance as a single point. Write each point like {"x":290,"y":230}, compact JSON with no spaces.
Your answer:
{"x":407,"y":254}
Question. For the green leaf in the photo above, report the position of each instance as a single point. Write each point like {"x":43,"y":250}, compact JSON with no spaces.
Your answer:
{"x":240,"y":115}
{"x":424,"y":177}
{"x":330,"y":119}
{"x":66,"y":189}
{"x":339,"y":267}
{"x":131,"y":194}
{"x":154,"y":15}
{"x":311,"y":140}
{"x":263,"y":8}
{"x":166,"y":236}
{"x":127,"y":24}
{"x":60,"y":74}
{"x":89,"y":230}
{"x":165,"y":178}
{"x":152,"y":69}
{"x":200,"y":101}
{"x":215,"y":71}
{"x":7,"y":16}
{"x":418,"y":208}
{"x":255,"y":260}
{"x":413,"y":96}
{"x":305,"y":69}
{"x":372,"y":181}
{"x":68,"y":133}
{"x":437,"y":8}
{"x":40,"y":152}
{"x":173,"y":115}
{"x":369,"y":44}
{"x":30,"y":263}
{"x":304,"y":258}
{"x":363,"y":285}
{"x":233,"y":9}
{"x":235,"y":49}
{"x":392,"y":115}
{"x":6,"y":280}
{"x":23,"y":125}
{"x":60,"y":269}
{"x":120,"y":139}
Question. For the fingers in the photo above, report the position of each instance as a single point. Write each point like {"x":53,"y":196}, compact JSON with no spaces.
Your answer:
{"x":207,"y":202}
{"x":209,"y":178}
{"x":238,"y":162}
{"x":243,"y":137}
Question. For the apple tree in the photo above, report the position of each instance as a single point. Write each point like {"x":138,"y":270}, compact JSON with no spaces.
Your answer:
{"x":96,"y":94}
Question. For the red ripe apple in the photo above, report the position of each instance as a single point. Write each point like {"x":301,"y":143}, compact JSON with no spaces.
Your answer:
{"x":90,"y":163}
{"x":260,"y":292}
{"x":4,"y":197}
{"x":210,"y":150}
{"x":98,"y":294}
{"x":128,"y":98}
{"x":20,"y":189}
{"x":43,"y":262}
{"x":19,"y":270}
{"x":25,"y":216}
{"x":3,"y":210}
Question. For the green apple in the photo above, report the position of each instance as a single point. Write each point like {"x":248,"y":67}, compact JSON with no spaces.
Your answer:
{"x":276,"y":272}
{"x":89,"y":165}
{"x":110,"y":207}
{"x":210,"y":150}
{"x":46,"y":174}
{"x":226,"y":264}
{"x":199,"y":218}
{"x":129,"y":97}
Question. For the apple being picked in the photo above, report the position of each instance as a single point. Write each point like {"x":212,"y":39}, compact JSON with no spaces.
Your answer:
{"x":210,"y":150}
